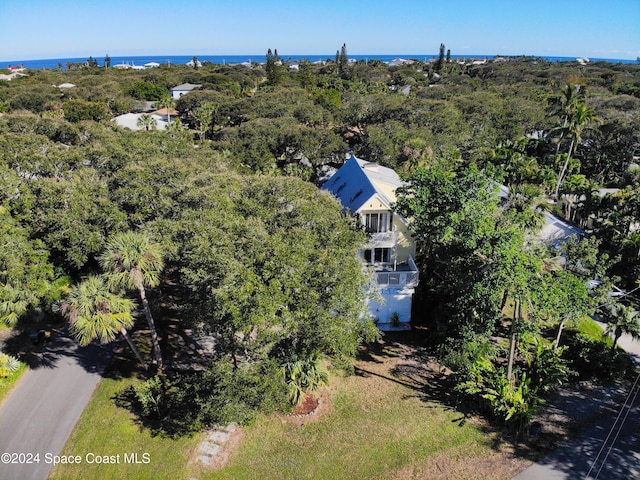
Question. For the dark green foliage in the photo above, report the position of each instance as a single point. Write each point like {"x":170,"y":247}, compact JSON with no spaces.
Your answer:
{"x":441,"y":58}
{"x":547,"y":368}
{"x":279,"y":263}
{"x":35,"y":98}
{"x":78,"y":110}
{"x":509,"y":402}
{"x":273,"y":67}
{"x":342,"y":62}
{"x":592,"y":358}
{"x":268,"y":263}
{"x":147,"y":91}
{"x":26,"y":275}
{"x":185,"y":403}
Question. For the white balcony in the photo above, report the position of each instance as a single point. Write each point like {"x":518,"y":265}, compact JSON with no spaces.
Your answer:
{"x":402,"y":275}
{"x":383,"y":239}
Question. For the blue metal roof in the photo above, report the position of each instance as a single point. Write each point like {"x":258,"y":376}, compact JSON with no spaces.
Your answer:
{"x":351,"y":185}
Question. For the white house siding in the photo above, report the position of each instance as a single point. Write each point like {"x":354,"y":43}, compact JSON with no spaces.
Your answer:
{"x":394,"y":300}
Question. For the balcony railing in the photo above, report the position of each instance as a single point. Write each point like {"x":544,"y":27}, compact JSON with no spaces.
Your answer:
{"x":405,"y":275}
{"x":382,"y":239}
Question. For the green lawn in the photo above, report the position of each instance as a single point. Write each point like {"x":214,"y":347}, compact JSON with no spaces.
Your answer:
{"x":105,"y":429}
{"x":375,"y":427}
{"x":6,"y":384}
{"x":590,"y":328}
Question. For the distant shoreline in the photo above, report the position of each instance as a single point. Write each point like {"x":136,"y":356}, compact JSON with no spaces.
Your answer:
{"x":140,"y":60}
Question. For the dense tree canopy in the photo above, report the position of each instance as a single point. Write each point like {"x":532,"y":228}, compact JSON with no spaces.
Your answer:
{"x":266,"y":263}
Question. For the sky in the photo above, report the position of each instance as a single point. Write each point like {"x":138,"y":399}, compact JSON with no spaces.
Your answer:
{"x":41,"y":29}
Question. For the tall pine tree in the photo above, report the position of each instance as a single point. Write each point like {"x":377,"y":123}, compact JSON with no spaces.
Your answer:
{"x":440,"y":63}
{"x":343,"y":62}
{"x":271,"y":67}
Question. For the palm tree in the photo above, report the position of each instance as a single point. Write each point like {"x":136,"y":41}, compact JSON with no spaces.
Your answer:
{"x":526,"y":203}
{"x":96,"y":313}
{"x":302,"y":376}
{"x":621,"y":319}
{"x":581,"y":120}
{"x":167,"y":101}
{"x":147,"y":122}
{"x":565,"y":107}
{"x":133,"y":262}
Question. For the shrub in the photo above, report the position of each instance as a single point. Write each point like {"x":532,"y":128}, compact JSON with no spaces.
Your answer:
{"x":147,"y":91}
{"x":78,"y":110}
{"x":8,"y":365}
{"x":303,"y":375}
{"x":592,"y":359}
{"x":189,"y":402}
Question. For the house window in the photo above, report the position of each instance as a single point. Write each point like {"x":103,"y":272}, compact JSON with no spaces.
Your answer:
{"x":377,"y":222}
{"x":377,"y":255}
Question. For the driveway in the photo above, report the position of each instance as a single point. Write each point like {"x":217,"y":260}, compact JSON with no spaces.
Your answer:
{"x":609,"y":450}
{"x":40,"y":413}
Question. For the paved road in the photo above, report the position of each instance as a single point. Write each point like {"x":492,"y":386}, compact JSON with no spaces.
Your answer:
{"x":42,"y":410}
{"x":610,"y":450}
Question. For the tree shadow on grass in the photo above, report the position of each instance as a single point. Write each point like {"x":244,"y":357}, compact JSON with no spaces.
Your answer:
{"x":415,"y":367}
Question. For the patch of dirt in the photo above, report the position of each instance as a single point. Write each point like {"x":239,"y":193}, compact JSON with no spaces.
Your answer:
{"x":308,"y":405}
{"x":312,"y":409}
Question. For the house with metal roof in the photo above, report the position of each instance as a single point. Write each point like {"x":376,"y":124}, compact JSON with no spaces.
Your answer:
{"x":179,"y":90}
{"x":367,"y":190}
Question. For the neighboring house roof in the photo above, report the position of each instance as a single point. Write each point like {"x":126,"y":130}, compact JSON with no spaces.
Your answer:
{"x":185,"y":87}
{"x":151,"y":65}
{"x":555,"y":230}
{"x":165,"y":111}
{"x":130,"y":121}
{"x":357,"y":181}
{"x":398,"y":61}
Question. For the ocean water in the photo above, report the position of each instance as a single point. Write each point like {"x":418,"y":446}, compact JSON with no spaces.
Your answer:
{"x":260,"y":58}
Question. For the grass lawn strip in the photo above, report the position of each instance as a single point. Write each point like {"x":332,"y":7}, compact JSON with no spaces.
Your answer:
{"x":105,"y":429}
{"x":7,"y":384}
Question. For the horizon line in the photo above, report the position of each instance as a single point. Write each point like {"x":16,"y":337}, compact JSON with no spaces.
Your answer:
{"x":303,"y":55}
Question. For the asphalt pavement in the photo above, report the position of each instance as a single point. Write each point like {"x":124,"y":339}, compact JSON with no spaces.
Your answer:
{"x":42,"y":410}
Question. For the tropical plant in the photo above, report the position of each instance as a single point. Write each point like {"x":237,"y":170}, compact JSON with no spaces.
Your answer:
{"x":620,"y":319}
{"x":132,"y":261}
{"x":167,"y":101}
{"x":547,"y":369}
{"x":579,"y":122}
{"x":564,"y":107}
{"x":302,"y":376}
{"x":147,"y":122}
{"x":95,"y":313}
{"x":512,"y":401}
{"x":8,"y":365}
{"x":150,"y":395}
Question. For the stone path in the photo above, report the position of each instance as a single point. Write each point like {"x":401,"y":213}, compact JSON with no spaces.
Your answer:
{"x":214,"y":450}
